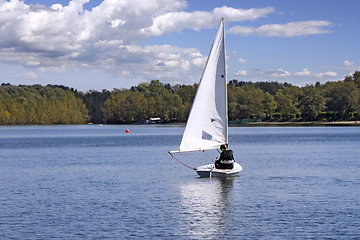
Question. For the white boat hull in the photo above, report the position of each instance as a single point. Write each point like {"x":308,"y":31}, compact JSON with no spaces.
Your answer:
{"x":210,"y":171}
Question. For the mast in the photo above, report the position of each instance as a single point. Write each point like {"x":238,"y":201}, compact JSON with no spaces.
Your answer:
{"x":225,"y":83}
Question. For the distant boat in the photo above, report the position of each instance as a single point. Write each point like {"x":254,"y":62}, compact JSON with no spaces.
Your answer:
{"x":207,"y":125}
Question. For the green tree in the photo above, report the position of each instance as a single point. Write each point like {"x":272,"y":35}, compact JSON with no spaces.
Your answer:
{"x":41,"y":105}
{"x":311,"y":103}
{"x":245,"y":102}
{"x":95,"y":102}
{"x":269,"y":105}
{"x":287,"y":102}
{"x":343,"y":98}
{"x":187,"y":94}
{"x":354,"y":78}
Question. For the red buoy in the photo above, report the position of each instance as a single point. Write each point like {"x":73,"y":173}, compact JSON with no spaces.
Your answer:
{"x":127,"y":130}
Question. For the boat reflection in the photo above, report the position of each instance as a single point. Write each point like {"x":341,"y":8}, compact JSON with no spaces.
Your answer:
{"x":207,"y":207}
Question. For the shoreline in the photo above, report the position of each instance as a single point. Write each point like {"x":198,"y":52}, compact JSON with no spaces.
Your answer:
{"x":299,"y":124}
{"x":244,"y":124}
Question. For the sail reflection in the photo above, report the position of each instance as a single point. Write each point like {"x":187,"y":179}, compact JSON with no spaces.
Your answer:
{"x":207,"y":207}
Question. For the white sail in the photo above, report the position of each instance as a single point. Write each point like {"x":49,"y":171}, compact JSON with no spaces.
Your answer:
{"x":207,"y":123}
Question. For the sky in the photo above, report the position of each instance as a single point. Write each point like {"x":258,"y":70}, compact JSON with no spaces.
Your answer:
{"x":95,"y":45}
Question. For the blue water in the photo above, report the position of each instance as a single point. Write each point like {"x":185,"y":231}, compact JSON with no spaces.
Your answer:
{"x":97,"y":182}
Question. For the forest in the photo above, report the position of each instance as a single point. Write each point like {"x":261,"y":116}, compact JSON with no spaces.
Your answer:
{"x":269,"y":101}
{"x":52,"y":104}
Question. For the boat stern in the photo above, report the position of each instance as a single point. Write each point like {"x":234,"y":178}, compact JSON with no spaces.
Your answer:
{"x":210,"y":171}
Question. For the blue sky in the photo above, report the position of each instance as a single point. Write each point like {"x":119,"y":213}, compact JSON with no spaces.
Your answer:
{"x":120,"y":43}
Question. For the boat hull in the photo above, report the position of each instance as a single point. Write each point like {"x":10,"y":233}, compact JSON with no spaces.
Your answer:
{"x":210,"y":171}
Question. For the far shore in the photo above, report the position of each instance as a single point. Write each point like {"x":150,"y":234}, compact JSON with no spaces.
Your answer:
{"x":300,"y":124}
{"x":244,"y":124}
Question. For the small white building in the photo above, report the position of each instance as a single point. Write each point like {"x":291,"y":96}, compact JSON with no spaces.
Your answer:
{"x":154,"y":120}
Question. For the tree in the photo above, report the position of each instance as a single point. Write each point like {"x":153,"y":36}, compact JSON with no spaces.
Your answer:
{"x":354,"y":78}
{"x":287,"y":102}
{"x":187,"y":94}
{"x":56,"y":104}
{"x":311,"y":103}
{"x":343,"y":98}
{"x":41,"y":105}
{"x":269,"y":105}
{"x":245,"y":102}
{"x":95,"y":102}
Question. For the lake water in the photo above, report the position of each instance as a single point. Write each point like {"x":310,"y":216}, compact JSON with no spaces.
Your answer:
{"x":98,"y":182}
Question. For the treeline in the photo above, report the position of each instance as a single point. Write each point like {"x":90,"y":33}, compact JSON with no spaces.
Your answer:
{"x":271,"y":101}
{"x":268,"y":101}
{"x":37,"y":104}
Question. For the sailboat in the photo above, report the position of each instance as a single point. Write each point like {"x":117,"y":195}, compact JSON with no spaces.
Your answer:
{"x":207,"y":124}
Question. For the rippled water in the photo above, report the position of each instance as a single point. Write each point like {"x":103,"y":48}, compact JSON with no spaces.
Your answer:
{"x":97,"y":182}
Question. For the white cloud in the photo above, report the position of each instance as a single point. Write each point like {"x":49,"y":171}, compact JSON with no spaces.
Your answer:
{"x":305,"y":73}
{"x":241,"y":73}
{"x":177,"y":21}
{"x":242,"y":60}
{"x":279,"y":73}
{"x":59,"y":38}
{"x":169,"y":62}
{"x":292,"y":29}
{"x":72,"y":28}
{"x":117,"y":22}
{"x":69,"y":37}
{"x":242,"y":30}
{"x":348,"y":64}
{"x":125,"y":73}
{"x":325,"y":74}
{"x":237,"y":15}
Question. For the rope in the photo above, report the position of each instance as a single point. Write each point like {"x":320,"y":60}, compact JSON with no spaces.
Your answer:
{"x":182,"y":162}
{"x":208,"y":156}
{"x":210,"y":160}
{"x":172,"y":155}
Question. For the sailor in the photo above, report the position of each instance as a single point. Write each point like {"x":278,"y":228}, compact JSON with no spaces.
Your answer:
{"x":226,"y":159}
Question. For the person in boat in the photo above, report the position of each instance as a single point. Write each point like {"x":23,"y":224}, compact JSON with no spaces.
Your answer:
{"x":226,"y":159}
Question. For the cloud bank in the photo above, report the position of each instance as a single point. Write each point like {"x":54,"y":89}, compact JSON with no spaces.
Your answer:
{"x":292,"y":29}
{"x":109,"y":36}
